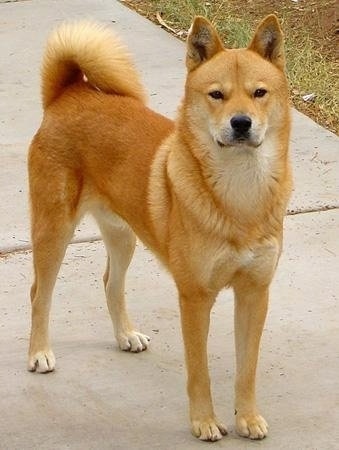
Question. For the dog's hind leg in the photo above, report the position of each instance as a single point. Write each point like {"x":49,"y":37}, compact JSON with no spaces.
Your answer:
{"x":120,"y":242}
{"x":50,"y":237}
{"x":54,"y":199}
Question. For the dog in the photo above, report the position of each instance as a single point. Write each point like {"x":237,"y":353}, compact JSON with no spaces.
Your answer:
{"x":207,"y":192}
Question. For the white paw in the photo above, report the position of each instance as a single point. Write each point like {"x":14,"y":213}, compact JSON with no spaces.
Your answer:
{"x":252,"y":426}
{"x":133,"y":341}
{"x":42,"y":362}
{"x":208,"y":430}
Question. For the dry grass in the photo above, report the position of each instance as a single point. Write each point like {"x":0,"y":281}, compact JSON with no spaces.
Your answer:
{"x":311,"y":41}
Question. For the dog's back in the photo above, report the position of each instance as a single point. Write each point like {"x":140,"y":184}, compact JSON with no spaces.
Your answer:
{"x":96,"y":126}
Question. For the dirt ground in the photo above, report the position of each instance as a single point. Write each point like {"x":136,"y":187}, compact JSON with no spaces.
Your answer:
{"x":318,"y":20}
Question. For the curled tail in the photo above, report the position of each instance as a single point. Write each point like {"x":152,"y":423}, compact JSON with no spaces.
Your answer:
{"x":86,"y":48}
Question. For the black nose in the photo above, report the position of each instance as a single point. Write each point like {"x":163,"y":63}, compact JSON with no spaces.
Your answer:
{"x":241,"y":124}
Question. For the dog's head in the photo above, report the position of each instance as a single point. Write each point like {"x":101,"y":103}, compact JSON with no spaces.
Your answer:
{"x":235,"y":97}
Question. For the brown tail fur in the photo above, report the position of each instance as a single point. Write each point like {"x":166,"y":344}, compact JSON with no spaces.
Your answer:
{"x":85,"y":48}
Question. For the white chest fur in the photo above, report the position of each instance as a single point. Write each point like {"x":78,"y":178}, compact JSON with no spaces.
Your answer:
{"x":241,"y":176}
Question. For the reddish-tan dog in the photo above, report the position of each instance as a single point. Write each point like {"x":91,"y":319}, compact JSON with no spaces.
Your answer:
{"x":207,"y":193}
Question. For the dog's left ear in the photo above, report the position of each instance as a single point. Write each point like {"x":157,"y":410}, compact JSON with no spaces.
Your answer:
{"x":268,"y":41}
{"x":203,"y":42}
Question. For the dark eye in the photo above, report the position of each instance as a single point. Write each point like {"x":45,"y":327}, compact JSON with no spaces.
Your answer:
{"x":260,"y":93}
{"x":217,"y":95}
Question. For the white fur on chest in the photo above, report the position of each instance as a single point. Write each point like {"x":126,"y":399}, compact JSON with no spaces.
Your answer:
{"x":240,"y":176}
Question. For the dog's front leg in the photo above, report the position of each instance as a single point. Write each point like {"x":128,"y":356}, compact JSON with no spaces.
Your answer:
{"x":195,"y":319}
{"x":251,"y":302}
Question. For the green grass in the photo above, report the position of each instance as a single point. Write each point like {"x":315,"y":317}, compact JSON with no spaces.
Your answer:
{"x":310,"y":71}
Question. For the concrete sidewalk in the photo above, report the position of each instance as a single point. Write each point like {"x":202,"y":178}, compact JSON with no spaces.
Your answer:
{"x":99,"y":397}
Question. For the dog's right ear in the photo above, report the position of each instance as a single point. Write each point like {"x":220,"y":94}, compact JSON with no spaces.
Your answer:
{"x":203,"y":42}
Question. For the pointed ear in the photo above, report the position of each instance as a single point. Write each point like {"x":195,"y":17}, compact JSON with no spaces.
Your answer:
{"x":203,"y":42}
{"x":268,"y":41}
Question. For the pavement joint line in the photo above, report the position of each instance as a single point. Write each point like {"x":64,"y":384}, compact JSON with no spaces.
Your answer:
{"x":14,"y":1}
{"x":311,"y":210}
{"x":7,"y":251}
